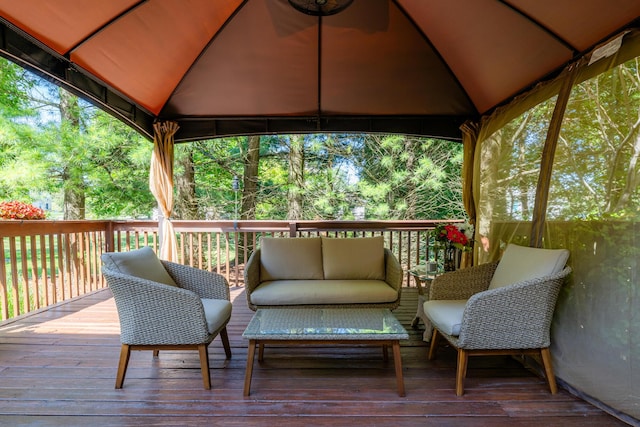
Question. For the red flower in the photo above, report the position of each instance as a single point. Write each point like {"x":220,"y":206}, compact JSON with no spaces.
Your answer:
{"x":454,"y":235}
{"x":19,"y":210}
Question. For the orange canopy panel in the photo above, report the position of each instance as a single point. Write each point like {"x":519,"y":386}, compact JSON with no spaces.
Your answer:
{"x":229,"y":67}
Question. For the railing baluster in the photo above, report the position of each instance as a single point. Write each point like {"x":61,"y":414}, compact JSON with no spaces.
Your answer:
{"x":227,"y":255}
{"x":14,"y":275}
{"x":34,"y":272}
{"x":26,"y":295}
{"x":66,"y":261}
{"x":4,"y":297}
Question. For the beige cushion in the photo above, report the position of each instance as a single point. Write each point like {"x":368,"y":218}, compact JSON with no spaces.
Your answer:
{"x":217,"y":312}
{"x":357,"y":258}
{"x":300,"y":292}
{"x":445,"y":315}
{"x":520,"y":263}
{"x":290,"y":258}
{"x":141,"y":263}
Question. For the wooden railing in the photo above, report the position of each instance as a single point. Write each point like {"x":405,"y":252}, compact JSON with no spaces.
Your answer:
{"x":46,"y":262}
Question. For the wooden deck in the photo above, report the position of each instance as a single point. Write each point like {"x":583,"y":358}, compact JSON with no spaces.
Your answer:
{"x":58,"y":367}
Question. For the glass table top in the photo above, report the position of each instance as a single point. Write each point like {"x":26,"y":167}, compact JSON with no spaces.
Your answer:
{"x":325,"y":323}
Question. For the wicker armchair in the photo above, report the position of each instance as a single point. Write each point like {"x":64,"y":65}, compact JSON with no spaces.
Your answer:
{"x":504,"y":307}
{"x":166,"y":306}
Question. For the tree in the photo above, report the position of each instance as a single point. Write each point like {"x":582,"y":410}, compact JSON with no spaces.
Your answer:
{"x":403,"y":177}
{"x":296,"y":177}
{"x":186,"y":201}
{"x":597,"y":165}
{"x":96,"y":167}
{"x":15,"y":116}
{"x":118,"y":179}
{"x":71,"y":168}
{"x":251,"y":161}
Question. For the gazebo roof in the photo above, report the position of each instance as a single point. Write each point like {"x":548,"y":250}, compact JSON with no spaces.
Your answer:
{"x":229,"y":67}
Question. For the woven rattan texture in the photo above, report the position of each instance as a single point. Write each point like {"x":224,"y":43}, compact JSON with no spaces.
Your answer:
{"x":152,"y":313}
{"x":517,"y":316}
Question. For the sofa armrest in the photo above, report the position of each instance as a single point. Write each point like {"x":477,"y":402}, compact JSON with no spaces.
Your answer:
{"x":393,"y":270}
{"x":252,"y":272}
{"x":205,"y":284}
{"x":462,"y":284}
{"x":514,"y":316}
{"x":153,"y":313}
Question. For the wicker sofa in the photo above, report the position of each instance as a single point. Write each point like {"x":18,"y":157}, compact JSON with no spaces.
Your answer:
{"x":323,"y":272}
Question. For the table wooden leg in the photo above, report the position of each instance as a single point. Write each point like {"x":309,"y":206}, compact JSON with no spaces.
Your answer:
{"x":385,"y":353}
{"x":397,"y":360}
{"x":260,"y":352}
{"x":249,"y":370}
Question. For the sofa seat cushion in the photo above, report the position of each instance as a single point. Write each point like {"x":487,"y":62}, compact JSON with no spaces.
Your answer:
{"x":520,"y":263}
{"x":304,"y":292}
{"x":290,"y":258}
{"x":217,"y":312}
{"x":360,"y":258}
{"x":445,"y":315}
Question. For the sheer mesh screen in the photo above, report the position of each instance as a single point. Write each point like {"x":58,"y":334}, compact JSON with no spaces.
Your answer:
{"x":509,"y":169}
{"x":593,"y":210}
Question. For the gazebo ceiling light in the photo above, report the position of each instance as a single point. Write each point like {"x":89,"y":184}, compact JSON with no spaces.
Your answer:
{"x":320,"y":7}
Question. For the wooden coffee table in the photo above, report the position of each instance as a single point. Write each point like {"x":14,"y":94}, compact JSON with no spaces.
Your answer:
{"x":331,"y":326}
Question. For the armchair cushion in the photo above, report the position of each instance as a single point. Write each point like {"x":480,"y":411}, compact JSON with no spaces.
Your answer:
{"x":217,"y":312}
{"x":446,"y":315}
{"x":353,"y":258}
{"x":292,"y":258}
{"x":141,"y":263}
{"x":521,"y":263}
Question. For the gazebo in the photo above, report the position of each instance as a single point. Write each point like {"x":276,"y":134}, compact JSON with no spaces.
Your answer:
{"x":544,"y":96}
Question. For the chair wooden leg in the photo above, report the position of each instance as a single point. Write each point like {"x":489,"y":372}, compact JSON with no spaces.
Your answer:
{"x":434,"y":344}
{"x":125,"y":352}
{"x":461,"y":373}
{"x":225,"y":342}
{"x":548,"y":369}
{"x":204,"y":365}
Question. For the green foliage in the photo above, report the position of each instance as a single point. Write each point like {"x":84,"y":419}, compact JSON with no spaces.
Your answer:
{"x":118,"y":181}
{"x":69,"y":147}
{"x":403,"y":177}
{"x":597,"y":163}
{"x":82,"y":158}
{"x":15,"y":83}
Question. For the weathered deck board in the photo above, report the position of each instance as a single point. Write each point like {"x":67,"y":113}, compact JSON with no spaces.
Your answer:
{"x":57,"y":368}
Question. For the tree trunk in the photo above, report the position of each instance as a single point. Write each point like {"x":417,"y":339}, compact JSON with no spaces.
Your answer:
{"x":74,"y":195}
{"x":250,"y":179}
{"x":296,"y":177}
{"x":73,"y":183}
{"x":410,"y":191}
{"x":186,"y":202}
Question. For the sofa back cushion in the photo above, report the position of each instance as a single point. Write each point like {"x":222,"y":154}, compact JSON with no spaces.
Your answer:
{"x":520,"y":263}
{"x":290,"y":258}
{"x":359,"y":258}
{"x":141,"y":263}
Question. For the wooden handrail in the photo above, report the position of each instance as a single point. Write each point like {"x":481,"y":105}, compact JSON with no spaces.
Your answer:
{"x":46,"y":262}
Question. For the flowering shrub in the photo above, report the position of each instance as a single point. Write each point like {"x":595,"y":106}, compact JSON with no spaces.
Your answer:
{"x":459,"y":235}
{"x":19,"y":210}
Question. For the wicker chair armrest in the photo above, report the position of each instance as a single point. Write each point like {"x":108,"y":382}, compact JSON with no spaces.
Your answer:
{"x":462,"y":284}
{"x":393,"y":270}
{"x":513,"y":316}
{"x":153,"y":313}
{"x":205,"y":284}
{"x":252,"y":272}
